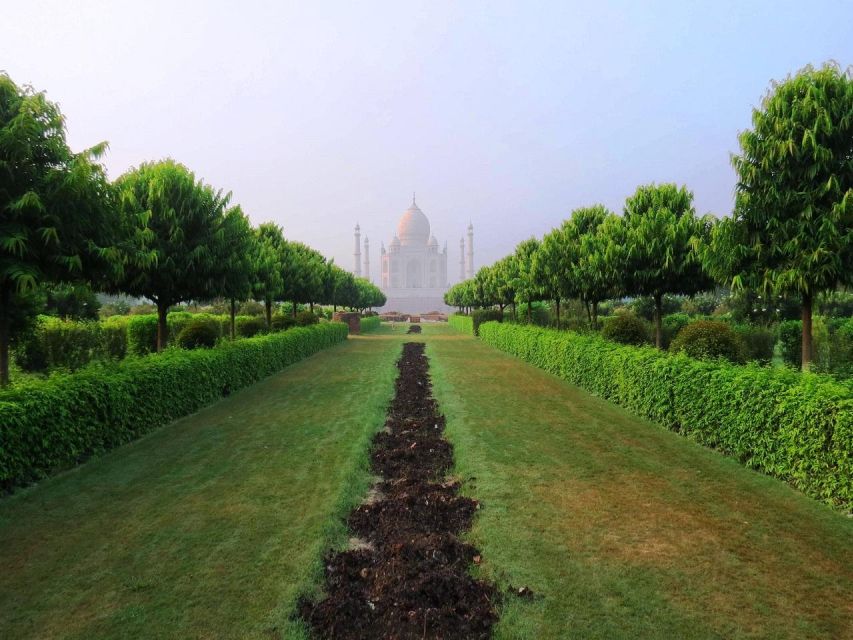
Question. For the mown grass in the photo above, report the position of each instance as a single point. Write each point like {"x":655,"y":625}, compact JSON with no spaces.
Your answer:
{"x":624,"y":529}
{"x":210,"y":527}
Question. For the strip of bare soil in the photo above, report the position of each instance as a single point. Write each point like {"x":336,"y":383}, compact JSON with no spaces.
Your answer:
{"x":410,"y":579}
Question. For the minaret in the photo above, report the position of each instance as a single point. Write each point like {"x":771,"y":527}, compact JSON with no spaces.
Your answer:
{"x":367,"y":259}
{"x":357,"y":271}
{"x":470,"y":250}
{"x":461,"y":259}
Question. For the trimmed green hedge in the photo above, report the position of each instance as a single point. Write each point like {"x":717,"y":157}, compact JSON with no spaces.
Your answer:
{"x":58,"y":422}
{"x":370,"y":323}
{"x":797,"y":427}
{"x":462,"y":323}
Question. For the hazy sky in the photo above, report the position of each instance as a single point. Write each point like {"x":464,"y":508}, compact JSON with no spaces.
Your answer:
{"x":317,"y":114}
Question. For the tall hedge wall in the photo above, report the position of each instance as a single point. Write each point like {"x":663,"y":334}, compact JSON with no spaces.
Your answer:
{"x":58,"y":422}
{"x":797,"y":427}
{"x":461,"y":322}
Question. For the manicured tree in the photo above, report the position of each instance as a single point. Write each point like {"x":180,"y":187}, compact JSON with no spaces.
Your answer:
{"x":178,"y":219}
{"x":661,"y":233}
{"x":504,"y":277}
{"x":792,"y":228}
{"x":529,"y":285}
{"x":303,"y":274}
{"x":596,"y":273}
{"x":234,"y":258}
{"x":57,"y":213}
{"x":268,"y":266}
{"x":551,"y":270}
{"x":345,"y":289}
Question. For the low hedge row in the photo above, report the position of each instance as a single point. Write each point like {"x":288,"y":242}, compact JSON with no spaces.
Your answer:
{"x":55,"y":423}
{"x":797,"y":427}
{"x":370,"y":323}
{"x":461,"y":322}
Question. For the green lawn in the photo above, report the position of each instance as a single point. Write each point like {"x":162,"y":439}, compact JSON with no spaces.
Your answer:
{"x":210,"y":527}
{"x":624,"y":529}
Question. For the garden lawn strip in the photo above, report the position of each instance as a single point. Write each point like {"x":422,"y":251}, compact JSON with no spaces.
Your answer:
{"x":410,"y":576}
{"x":622,"y":528}
{"x":209,"y":528}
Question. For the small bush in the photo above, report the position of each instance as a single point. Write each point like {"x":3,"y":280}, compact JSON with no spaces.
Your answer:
{"x":142,"y":334}
{"x":708,"y":340}
{"x":461,"y":322}
{"x":759,"y":343}
{"x":281,"y":322}
{"x":479,"y":316}
{"x":369,"y":323}
{"x":198,"y":334}
{"x":672,"y":324}
{"x":626,"y":329}
{"x":306,"y":319}
{"x":250,"y":326}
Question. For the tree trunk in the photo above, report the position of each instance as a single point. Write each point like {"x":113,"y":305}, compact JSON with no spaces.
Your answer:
{"x":658,"y":320}
{"x":311,"y":306}
{"x":268,"y":312}
{"x":588,"y":312}
{"x":162,"y":326}
{"x":808,"y":348}
{"x":529,"y":312}
{"x":5,"y":300}
{"x":294,"y":308}
{"x":595,"y":315}
{"x":233,"y":318}
{"x":558,"y":312}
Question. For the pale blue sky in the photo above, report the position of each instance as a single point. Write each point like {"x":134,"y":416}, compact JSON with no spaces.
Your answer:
{"x":317,"y":114}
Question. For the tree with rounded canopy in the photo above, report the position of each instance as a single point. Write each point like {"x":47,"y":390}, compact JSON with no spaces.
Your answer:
{"x":529,"y":286}
{"x":268,"y":262}
{"x":177,"y":219}
{"x":792,"y":228}
{"x":304,"y":274}
{"x":233,"y":256}
{"x":662,"y":235}
{"x":57,"y":214}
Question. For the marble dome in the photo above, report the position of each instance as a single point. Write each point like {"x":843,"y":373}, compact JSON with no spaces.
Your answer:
{"x":413,"y":228}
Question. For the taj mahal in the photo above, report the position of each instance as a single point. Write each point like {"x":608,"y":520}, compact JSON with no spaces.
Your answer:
{"x":413,"y":270}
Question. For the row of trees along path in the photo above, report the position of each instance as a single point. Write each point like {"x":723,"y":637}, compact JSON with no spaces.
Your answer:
{"x":407,"y":576}
{"x":791,"y":232}
{"x":156,"y":232}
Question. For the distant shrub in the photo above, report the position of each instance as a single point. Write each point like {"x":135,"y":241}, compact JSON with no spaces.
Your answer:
{"x":198,"y":334}
{"x":251,"y":308}
{"x":369,"y":323}
{"x":626,"y":329}
{"x":60,"y":344}
{"x":645,"y":307}
{"x":281,"y":322}
{"x":306,"y":318}
{"x":759,"y":343}
{"x":707,"y":339}
{"x":250,"y":326}
{"x":461,"y":322}
{"x":479,"y":316}
{"x":114,"y":337}
{"x":142,"y":334}
{"x":672,"y":324}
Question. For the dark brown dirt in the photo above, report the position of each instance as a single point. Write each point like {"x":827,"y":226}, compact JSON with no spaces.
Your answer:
{"x":414,"y":581}
{"x":414,"y":329}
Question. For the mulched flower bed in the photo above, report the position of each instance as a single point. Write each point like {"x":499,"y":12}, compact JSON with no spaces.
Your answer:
{"x":410,"y":579}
